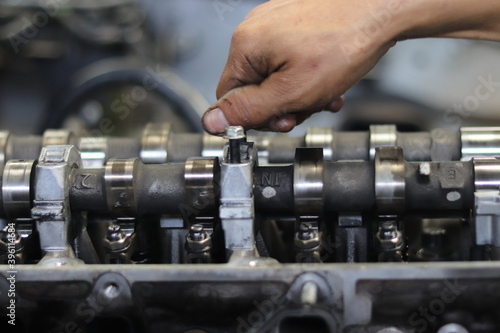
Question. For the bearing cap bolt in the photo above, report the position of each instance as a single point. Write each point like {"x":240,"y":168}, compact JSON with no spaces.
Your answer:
{"x":236,"y":136}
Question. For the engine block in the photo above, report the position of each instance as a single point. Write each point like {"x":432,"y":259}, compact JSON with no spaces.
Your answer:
{"x":379,"y":231}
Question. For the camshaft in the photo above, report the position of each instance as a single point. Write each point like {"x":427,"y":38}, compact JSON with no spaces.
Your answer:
{"x":159,"y":144}
{"x":129,"y":187}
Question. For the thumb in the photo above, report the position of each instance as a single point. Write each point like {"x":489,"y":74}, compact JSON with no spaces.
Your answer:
{"x":253,"y":105}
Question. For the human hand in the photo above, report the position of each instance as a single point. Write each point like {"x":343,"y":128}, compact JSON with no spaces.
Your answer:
{"x":291,"y":58}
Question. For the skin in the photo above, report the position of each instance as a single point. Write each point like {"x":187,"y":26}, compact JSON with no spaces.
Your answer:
{"x":291,"y":58}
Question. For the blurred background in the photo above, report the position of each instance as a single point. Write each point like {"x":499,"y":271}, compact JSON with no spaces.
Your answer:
{"x":108,"y":67}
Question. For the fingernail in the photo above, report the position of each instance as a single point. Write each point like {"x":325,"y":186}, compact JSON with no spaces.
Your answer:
{"x":214,"y":121}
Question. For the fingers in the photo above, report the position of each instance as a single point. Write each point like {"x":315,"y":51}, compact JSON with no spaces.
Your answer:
{"x":239,"y":71}
{"x":249,"y":106}
{"x":246,"y":64}
{"x":215,"y":120}
{"x":245,"y":106}
{"x":274,"y":104}
{"x":336,"y":105}
{"x":283,"y":124}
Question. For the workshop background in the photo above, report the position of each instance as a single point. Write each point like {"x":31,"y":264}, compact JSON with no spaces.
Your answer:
{"x":74,"y":64}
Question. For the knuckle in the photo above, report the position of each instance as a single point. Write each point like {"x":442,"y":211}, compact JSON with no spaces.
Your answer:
{"x":240,"y":36}
{"x":254,"y":12}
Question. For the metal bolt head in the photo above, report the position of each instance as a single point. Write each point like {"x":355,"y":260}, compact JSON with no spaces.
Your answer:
{"x":234,"y":132}
{"x":387,"y":231}
{"x":197,"y":232}
{"x":10,"y":239}
{"x":307,"y":244}
{"x":307,"y":238}
{"x":115,"y":233}
{"x":389,"y":237}
{"x":305,"y":231}
{"x":198,"y":240}
{"x":6,"y":236}
{"x":116,"y":240}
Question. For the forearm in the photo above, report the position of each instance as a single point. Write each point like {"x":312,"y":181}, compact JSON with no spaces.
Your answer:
{"x":475,"y":19}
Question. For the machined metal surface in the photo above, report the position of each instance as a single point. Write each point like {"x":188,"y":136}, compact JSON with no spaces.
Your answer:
{"x":382,"y":136}
{"x":94,"y":151}
{"x":486,"y":173}
{"x":480,"y":142}
{"x":155,"y":142}
{"x":202,"y":179}
{"x":389,"y":179}
{"x":57,"y":137}
{"x":308,"y":181}
{"x":119,"y":180}
{"x":486,"y":221}
{"x":320,"y":137}
{"x":4,"y":139}
{"x":16,"y":187}
{"x":212,"y":145}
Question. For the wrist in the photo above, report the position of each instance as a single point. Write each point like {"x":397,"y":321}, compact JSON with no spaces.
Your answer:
{"x":389,"y":21}
{"x":446,"y":18}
